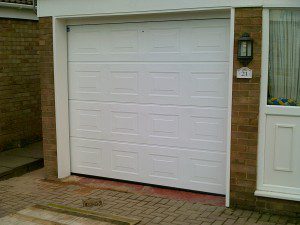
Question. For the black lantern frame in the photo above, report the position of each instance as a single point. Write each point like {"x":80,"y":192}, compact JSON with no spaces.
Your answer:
{"x":245,"y":49}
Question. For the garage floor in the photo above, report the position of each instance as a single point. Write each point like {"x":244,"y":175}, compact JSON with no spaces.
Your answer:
{"x":151,"y":208}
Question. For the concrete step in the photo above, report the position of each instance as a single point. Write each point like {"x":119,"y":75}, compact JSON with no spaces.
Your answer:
{"x":19,"y":161}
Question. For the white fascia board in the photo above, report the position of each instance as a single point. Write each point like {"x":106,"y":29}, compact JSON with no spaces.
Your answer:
{"x":73,"y":8}
{"x":17,"y":13}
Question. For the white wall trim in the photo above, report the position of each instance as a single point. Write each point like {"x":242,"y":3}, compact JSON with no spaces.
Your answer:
{"x":230,"y":78}
{"x":282,"y":110}
{"x":171,"y":16}
{"x":93,"y":7}
{"x":18,"y":13}
{"x":60,"y":50}
{"x":142,"y":13}
{"x":16,"y":5}
{"x":263,"y":99}
{"x":278,"y":195}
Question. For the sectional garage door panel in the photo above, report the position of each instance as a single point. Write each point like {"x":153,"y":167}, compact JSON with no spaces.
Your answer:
{"x":197,"y":84}
{"x":187,"y":127}
{"x":194,"y":40}
{"x":174,"y":167}
{"x":148,"y":102}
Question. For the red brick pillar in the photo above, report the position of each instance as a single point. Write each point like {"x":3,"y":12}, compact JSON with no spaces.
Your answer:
{"x":245,"y":111}
{"x":47,"y":97}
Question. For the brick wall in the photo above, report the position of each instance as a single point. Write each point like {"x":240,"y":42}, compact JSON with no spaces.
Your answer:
{"x":47,"y":96}
{"x":20,"y":112}
{"x":245,"y":112}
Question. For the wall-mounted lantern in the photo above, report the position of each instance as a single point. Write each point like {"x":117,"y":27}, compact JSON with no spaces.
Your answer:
{"x":245,"y":49}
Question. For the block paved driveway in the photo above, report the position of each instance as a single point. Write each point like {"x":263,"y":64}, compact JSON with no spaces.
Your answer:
{"x":155,"y":208}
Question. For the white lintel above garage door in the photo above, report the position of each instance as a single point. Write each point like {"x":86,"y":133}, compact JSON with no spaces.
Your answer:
{"x":148,"y":102}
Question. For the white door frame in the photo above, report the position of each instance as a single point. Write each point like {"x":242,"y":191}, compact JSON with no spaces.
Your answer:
{"x":263,"y":189}
{"x":60,"y":49}
{"x":263,"y":98}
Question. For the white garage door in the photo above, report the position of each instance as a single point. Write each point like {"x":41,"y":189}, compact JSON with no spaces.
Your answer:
{"x":148,"y":102}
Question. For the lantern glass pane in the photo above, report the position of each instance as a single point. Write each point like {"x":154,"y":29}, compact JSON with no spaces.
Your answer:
{"x":244,"y":48}
{"x":249,"y":47}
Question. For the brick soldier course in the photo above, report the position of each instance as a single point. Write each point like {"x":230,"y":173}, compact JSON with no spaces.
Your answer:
{"x":30,"y":189}
{"x":20,"y":104}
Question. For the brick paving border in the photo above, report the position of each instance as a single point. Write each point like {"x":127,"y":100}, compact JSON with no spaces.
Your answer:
{"x":21,"y":192}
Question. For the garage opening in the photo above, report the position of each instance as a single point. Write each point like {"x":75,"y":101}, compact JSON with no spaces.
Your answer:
{"x":148,"y":102}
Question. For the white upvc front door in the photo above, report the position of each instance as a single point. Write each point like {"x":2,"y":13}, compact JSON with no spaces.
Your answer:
{"x":279,"y":123}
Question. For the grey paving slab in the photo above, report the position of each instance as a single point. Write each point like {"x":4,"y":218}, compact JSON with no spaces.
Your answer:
{"x":12,"y":161}
{"x":32,"y":151}
{"x":59,"y":214}
{"x":18,"y":161}
{"x":4,"y":170}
